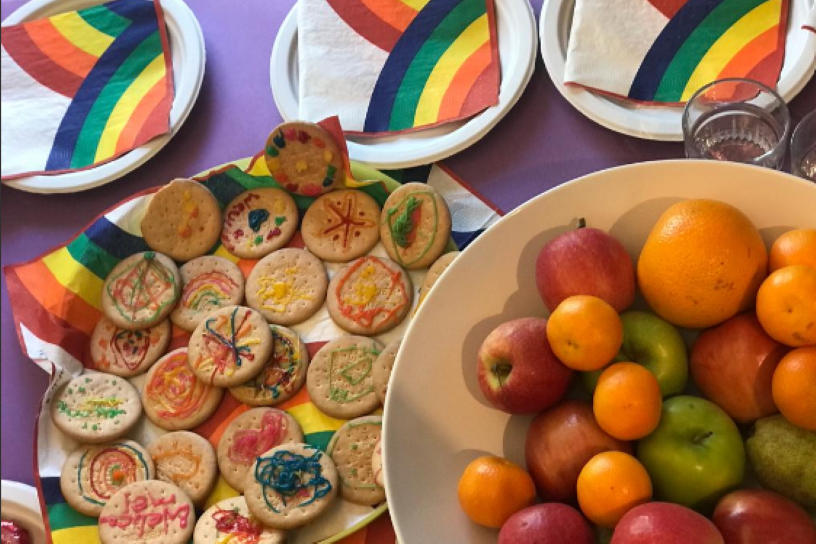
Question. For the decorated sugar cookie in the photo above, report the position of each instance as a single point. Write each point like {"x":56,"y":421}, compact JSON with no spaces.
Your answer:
{"x":290,"y":486}
{"x":93,"y":474}
{"x":283,"y":375}
{"x":439,"y":266}
{"x":304,"y":158}
{"x":352,"y":449}
{"x":341,"y":225}
{"x":209,"y":284}
{"x":141,"y":291}
{"x":377,"y":464}
{"x":127,"y":353}
{"x":383,"y":367}
{"x":230,"y":521}
{"x":415,"y":225}
{"x":186,"y":460}
{"x":95,"y":408}
{"x":370,"y":296}
{"x":173,"y":398}
{"x":259,"y":221}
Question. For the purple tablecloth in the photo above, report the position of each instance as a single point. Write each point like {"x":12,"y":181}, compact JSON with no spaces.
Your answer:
{"x":541,"y":143}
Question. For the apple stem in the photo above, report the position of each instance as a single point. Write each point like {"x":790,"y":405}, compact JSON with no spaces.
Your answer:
{"x":581,"y":223}
{"x":699,"y":439}
{"x":501,"y":371}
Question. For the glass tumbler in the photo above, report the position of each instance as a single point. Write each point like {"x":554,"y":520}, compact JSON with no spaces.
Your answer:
{"x":803,"y":148}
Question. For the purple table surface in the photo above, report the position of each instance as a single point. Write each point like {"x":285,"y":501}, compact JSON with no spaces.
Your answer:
{"x":541,"y":143}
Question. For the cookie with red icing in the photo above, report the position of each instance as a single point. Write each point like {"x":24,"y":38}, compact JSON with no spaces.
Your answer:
{"x":231,"y":521}
{"x":210,"y":283}
{"x":259,"y":221}
{"x":128,"y":353}
{"x":341,"y":225}
{"x":304,"y":158}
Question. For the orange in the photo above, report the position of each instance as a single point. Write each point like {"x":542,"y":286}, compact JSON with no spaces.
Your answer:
{"x":492,"y":489}
{"x":702,"y":263}
{"x":627,"y":402}
{"x":585,"y":332}
{"x":794,"y":387}
{"x":611,"y":484}
{"x":786,"y":305}
{"x":794,"y":247}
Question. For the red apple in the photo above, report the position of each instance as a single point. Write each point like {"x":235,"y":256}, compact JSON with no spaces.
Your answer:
{"x":560,"y":441}
{"x":517,"y":370}
{"x":733,"y":365}
{"x":551,"y":523}
{"x":585,"y":261}
{"x":665,"y":523}
{"x":757,"y":516}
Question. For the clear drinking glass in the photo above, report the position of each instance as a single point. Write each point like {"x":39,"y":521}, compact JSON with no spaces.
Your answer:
{"x":737,"y":120}
{"x":803,"y":148}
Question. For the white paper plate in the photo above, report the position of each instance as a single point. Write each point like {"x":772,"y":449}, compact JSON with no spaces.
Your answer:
{"x":187,"y":50}
{"x":517,"y":51}
{"x":20,"y":504}
{"x":436,"y":419}
{"x":659,"y":122}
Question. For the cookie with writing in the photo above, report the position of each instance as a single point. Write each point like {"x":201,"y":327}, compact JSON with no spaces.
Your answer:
{"x":182,"y":220}
{"x":173,"y":398}
{"x":341,"y":225}
{"x":96,"y":407}
{"x":249,"y":435}
{"x":304,"y":158}
{"x":383,"y":367}
{"x":93,"y":474}
{"x":259,"y":221}
{"x":377,"y":464}
{"x":352,"y":450}
{"x":187,"y":460}
{"x":141,"y":291}
{"x":209,"y":284}
{"x":128,"y":353}
{"x":439,"y":266}
{"x":290,"y":486}
{"x":230,"y":521}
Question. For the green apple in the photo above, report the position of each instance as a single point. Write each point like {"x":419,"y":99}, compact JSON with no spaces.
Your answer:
{"x":696,"y":454}
{"x":654,"y":343}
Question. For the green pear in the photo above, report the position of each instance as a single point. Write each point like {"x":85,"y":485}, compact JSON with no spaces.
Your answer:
{"x":783,"y":457}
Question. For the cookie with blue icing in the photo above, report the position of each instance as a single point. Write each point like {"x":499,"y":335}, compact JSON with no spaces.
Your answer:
{"x":259,"y":221}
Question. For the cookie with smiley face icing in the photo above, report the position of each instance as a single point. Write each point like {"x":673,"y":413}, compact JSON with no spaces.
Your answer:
{"x":304,"y":158}
{"x":259,"y":221}
{"x":128,"y":353}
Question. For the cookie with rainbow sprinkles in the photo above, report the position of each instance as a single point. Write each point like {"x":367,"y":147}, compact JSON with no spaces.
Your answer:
{"x":304,"y":158}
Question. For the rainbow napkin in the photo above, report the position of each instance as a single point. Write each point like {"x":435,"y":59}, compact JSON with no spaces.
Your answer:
{"x":662,"y":51}
{"x":84,"y":87}
{"x":389,"y":66}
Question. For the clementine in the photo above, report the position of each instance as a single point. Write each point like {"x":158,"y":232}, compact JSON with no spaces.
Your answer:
{"x":786,"y":305}
{"x":585,"y":332}
{"x":627,"y":402}
{"x":492,"y":489}
{"x":794,"y":387}
{"x":611,"y":484}
{"x":794,"y":247}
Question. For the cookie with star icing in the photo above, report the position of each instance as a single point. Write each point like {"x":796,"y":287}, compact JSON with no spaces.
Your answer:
{"x":128,"y":353}
{"x":259,"y":221}
{"x":209,"y":284}
{"x":187,"y":460}
{"x":352,"y":450}
{"x":231,"y":521}
{"x":341,"y":225}
{"x":304,"y":158}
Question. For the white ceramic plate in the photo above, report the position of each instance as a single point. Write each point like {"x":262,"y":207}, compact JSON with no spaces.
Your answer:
{"x":187,"y":50}
{"x":659,"y":122}
{"x":20,"y":504}
{"x":517,"y":51}
{"x":436,"y":419}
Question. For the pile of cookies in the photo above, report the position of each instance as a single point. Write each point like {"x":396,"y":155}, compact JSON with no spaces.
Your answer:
{"x":240,"y":342}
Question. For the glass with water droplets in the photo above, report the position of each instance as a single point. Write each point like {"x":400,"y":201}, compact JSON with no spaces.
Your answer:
{"x":803,"y":148}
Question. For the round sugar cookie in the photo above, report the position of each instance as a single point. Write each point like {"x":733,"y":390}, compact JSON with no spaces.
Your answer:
{"x":288,"y":286}
{"x":377,"y":464}
{"x":231,"y":521}
{"x":383,"y":367}
{"x":283,"y":375}
{"x":209,"y":284}
{"x":341,"y":225}
{"x":439,"y":266}
{"x":340,"y":378}
{"x":290,"y":486}
{"x":93,"y":474}
{"x":173,"y":398}
{"x":186,"y":460}
{"x":183,"y":220}
{"x":149,"y":512}
{"x":370,"y":295}
{"x":96,"y":407}
{"x":259,"y":221}
{"x":249,"y":435}
{"x":304,"y":158}
{"x":352,"y":450}
{"x":415,"y":225}
{"x":141,"y":291}
{"x":128,"y":353}
{"x":230,"y":347}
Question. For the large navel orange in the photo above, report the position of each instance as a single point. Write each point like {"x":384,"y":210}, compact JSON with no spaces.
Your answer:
{"x":702,"y":263}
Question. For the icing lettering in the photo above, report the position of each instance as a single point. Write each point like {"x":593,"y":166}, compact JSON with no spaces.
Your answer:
{"x":138,"y":521}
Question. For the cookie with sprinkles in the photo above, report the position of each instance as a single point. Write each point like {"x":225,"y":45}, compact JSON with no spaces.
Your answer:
{"x":96,"y":407}
{"x":251,"y":434}
{"x":141,"y":291}
{"x":304,"y":158}
{"x":187,"y":460}
{"x":127,"y":353}
{"x":370,"y":295}
{"x":290,"y":486}
{"x":415,"y":225}
{"x":340,"y":378}
{"x":341,"y":225}
{"x":93,"y":474}
{"x":209,"y":284}
{"x":352,"y":450}
{"x":231,"y":521}
{"x":383,"y":367}
{"x":259,"y":221}
{"x":283,"y":375}
{"x":173,"y":398}
{"x":288,"y":286}
{"x":182,"y":220}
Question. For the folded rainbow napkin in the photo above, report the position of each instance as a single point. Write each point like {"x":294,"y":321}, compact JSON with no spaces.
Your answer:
{"x":84,"y":87}
{"x":387,"y":66}
{"x":662,"y":51}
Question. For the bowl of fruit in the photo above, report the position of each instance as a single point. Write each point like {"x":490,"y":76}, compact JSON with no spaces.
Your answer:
{"x":628,"y":358}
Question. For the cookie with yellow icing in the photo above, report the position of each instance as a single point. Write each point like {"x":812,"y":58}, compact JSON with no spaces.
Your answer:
{"x":259,"y":221}
{"x":304,"y":158}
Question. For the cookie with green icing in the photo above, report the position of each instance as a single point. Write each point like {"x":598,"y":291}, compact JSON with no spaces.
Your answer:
{"x":352,"y":450}
{"x":259,"y":221}
{"x":304,"y":158}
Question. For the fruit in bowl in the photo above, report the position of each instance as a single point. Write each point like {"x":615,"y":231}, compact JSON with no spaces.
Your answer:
{"x":757,"y":516}
{"x":611,"y":484}
{"x":665,"y":523}
{"x":551,"y":523}
{"x":794,"y":387}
